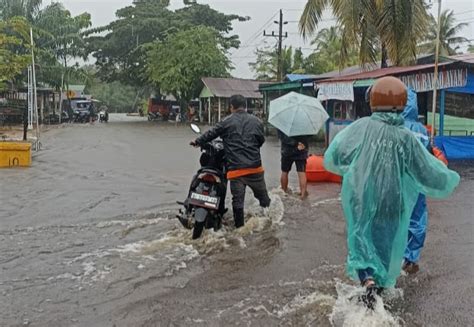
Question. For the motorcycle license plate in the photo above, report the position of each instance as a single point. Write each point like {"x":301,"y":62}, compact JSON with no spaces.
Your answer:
{"x":206,"y":201}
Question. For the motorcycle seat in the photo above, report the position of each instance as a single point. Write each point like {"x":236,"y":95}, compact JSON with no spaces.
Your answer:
{"x":210,"y":171}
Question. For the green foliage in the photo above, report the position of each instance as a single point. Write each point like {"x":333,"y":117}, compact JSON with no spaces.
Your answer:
{"x":19,"y":8}
{"x":122,"y":52}
{"x":14,"y":57}
{"x":471,"y":48}
{"x":330,"y":54}
{"x":116,"y":96}
{"x":391,"y":27}
{"x":178,"y":63}
{"x":298,"y":62}
{"x":59,"y":37}
{"x":265,"y":66}
{"x":448,"y":37}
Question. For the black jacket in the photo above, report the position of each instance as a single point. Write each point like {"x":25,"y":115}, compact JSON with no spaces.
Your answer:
{"x":243,"y":136}
{"x":289,"y":146}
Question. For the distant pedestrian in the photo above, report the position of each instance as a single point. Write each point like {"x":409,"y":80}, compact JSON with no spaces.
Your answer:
{"x":91,"y":113}
{"x":294,"y":150}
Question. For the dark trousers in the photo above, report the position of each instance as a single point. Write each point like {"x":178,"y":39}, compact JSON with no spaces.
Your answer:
{"x":365,"y":274}
{"x":256,"y":182}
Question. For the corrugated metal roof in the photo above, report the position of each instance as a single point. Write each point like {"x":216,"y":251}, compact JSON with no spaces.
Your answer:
{"x":348,"y":71}
{"x":381,"y":72}
{"x":465,"y":57}
{"x":227,"y":87}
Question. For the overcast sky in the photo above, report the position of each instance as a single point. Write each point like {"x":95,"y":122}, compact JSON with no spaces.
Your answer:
{"x":262,"y":13}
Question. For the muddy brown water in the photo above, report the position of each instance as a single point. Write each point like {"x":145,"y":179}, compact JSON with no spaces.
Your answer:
{"x":88,"y":238}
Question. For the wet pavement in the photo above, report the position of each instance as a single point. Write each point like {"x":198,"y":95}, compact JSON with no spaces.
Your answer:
{"x":88,"y":238}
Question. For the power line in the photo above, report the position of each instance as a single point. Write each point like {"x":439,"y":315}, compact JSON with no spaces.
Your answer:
{"x":463,"y":12}
{"x":280,"y":42}
{"x":465,"y":20}
{"x":321,"y":20}
{"x":247,"y":55}
{"x":254,"y":36}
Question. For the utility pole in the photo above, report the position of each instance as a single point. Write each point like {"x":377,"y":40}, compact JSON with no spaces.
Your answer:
{"x":435,"y":77}
{"x":280,"y":37}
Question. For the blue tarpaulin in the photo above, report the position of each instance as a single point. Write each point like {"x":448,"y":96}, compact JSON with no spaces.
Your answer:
{"x":456,"y":147}
{"x":468,"y":88}
{"x":300,"y":77}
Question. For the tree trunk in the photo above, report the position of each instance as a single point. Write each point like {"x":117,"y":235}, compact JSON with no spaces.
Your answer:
{"x":383,"y":63}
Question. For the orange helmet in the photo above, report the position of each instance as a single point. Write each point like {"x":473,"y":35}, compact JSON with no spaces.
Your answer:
{"x":388,"y":94}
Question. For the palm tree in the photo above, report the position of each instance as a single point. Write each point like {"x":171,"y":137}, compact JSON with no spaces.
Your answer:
{"x":266,"y":65}
{"x":329,"y":49}
{"x":448,"y":39}
{"x":24,"y":8}
{"x":389,"y":29}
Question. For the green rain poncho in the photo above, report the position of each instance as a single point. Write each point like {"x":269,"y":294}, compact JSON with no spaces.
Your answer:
{"x":384,"y":168}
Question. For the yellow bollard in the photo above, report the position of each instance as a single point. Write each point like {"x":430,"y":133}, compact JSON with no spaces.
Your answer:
{"x":15,"y":154}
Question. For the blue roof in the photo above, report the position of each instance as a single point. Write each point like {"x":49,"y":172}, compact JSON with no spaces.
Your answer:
{"x":300,"y":77}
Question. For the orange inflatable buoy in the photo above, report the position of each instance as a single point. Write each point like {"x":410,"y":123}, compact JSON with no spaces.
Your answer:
{"x":439,"y":155}
{"x":429,"y":129}
{"x":315,"y":171}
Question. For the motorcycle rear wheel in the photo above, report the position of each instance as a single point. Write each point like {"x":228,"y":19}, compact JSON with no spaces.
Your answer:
{"x":198,"y":228}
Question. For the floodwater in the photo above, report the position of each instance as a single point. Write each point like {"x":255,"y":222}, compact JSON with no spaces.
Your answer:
{"x":88,"y":238}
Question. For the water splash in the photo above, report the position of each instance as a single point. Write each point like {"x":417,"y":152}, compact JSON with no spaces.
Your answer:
{"x":303,"y":302}
{"x":348,"y":311}
{"x":326,"y":202}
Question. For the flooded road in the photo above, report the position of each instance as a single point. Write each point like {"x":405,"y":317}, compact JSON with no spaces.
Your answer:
{"x":88,"y":238}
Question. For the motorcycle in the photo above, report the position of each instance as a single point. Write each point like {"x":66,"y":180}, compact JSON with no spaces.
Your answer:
{"x":205,"y":205}
{"x":157,"y":116}
{"x":103,"y":116}
{"x":81,"y":116}
{"x":154,"y":116}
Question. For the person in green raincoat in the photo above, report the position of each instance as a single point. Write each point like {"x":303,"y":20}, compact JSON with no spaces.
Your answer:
{"x":384,"y":167}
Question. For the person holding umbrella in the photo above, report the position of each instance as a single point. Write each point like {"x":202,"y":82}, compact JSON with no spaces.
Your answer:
{"x":296,"y":116}
{"x":294,"y":150}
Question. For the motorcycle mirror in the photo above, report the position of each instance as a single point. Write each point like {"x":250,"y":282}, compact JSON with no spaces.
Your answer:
{"x":195,"y":128}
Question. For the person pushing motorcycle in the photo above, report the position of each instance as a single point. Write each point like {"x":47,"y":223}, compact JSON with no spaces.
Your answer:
{"x":243,"y":136}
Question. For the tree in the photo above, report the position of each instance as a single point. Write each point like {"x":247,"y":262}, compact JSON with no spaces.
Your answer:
{"x":116,"y":96}
{"x":449,"y":41}
{"x":122,"y":52}
{"x":471,"y":48}
{"x":329,"y":54}
{"x":266,"y":64}
{"x":178,"y":63}
{"x":390,"y":29}
{"x":298,"y":62}
{"x":14,"y":44}
{"x":60,"y":39}
{"x":20,"y":8}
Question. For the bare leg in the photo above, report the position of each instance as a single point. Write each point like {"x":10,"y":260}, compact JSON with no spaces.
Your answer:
{"x":303,"y":185}
{"x":284,"y":181}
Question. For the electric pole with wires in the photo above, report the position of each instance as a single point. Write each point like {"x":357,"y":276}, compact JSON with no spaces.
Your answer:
{"x":280,"y":37}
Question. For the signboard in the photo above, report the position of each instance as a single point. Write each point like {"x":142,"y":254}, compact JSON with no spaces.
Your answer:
{"x":423,"y":82}
{"x":336,"y":91}
{"x":70,"y":94}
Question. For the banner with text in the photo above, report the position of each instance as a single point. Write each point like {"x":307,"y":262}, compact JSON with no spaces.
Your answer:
{"x":422,"y":82}
{"x":336,"y":91}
